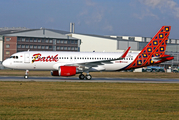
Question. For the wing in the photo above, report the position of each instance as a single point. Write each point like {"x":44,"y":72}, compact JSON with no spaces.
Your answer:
{"x":87,"y":65}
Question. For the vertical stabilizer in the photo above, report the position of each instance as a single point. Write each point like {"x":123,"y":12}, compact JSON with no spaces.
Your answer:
{"x":155,"y":48}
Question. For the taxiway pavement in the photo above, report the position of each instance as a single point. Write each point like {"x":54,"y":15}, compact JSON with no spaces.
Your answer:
{"x":73,"y":79}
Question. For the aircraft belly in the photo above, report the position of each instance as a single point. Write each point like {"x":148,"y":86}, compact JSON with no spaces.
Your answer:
{"x":110,"y":67}
{"x":36,"y":66}
{"x":115,"y":66}
{"x":43,"y":66}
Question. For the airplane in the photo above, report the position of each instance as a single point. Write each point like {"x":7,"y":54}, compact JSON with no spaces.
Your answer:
{"x":72,"y":63}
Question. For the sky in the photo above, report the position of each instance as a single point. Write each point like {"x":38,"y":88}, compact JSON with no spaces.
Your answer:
{"x":100,"y":17}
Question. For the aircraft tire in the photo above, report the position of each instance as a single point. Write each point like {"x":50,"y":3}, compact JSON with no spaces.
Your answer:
{"x":26,"y":76}
{"x":88,"y":77}
{"x":81,"y":77}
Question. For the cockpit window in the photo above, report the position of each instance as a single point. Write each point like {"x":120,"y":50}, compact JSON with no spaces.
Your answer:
{"x":15,"y":57}
{"x":12,"y":57}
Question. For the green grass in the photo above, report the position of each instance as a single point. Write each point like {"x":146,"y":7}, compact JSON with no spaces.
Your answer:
{"x":72,"y":101}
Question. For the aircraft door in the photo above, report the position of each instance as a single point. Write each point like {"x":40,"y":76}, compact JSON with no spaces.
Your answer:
{"x":26,"y":58}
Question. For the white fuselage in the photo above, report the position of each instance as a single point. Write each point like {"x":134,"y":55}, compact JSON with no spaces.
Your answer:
{"x":41,"y":60}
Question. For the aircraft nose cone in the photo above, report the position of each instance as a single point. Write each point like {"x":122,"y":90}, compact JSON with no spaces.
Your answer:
{"x":5,"y":63}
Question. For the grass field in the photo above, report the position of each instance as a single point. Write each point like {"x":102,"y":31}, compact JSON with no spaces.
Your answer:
{"x":91,"y":101}
{"x":95,"y":74}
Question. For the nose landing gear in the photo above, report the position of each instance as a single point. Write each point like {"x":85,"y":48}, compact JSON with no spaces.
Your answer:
{"x":26,"y":74}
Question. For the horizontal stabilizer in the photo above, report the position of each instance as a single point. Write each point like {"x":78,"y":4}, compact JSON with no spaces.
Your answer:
{"x":162,"y":58}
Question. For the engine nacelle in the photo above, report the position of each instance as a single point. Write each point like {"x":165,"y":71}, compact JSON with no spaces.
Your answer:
{"x":65,"y":71}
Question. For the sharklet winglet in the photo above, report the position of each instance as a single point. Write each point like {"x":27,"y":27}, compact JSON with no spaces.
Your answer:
{"x":125,"y":53}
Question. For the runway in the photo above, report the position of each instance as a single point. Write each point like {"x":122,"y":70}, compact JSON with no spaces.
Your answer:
{"x":73,"y":79}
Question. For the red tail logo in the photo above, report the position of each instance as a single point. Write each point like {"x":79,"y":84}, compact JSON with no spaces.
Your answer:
{"x":155,"y":48}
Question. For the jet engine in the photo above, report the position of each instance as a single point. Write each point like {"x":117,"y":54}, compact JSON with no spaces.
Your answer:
{"x":65,"y":71}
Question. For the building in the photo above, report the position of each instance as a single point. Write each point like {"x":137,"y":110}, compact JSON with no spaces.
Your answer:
{"x":16,"y":40}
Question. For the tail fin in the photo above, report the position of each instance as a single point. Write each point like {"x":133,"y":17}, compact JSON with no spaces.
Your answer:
{"x":155,"y":48}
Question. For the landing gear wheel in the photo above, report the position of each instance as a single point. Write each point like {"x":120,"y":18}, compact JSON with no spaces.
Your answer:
{"x":81,"y":77}
{"x":88,"y":77}
{"x":26,"y":76}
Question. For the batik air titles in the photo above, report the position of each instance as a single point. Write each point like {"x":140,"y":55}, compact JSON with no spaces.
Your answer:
{"x":72,"y":63}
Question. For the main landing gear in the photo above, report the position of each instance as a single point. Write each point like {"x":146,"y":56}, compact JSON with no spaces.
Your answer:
{"x":26,"y":74}
{"x":82,"y":76}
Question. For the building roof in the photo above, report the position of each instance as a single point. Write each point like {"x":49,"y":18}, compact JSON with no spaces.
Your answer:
{"x":59,"y":31}
{"x":100,"y":36}
{"x":42,"y":32}
{"x":6,"y":30}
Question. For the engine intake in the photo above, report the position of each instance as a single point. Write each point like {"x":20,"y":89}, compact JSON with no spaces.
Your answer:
{"x":65,"y":71}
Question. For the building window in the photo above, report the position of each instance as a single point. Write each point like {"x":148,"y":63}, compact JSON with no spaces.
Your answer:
{"x":35,"y":46}
{"x":7,"y":46}
{"x":69,"y":48}
{"x":72,"y":48}
{"x":58,"y":41}
{"x":50,"y":47}
{"x":43,"y":47}
{"x":7,"y":52}
{"x":69,"y":41}
{"x":50,"y":41}
{"x":23,"y":46}
{"x":39,"y":47}
{"x":26,"y":46}
{"x":61,"y":41}
{"x":65,"y":41}
{"x":76,"y":42}
{"x":54,"y":48}
{"x":61,"y":48}
{"x":39,"y":40}
{"x":72,"y":41}
{"x":27,"y":40}
{"x":76,"y":48}
{"x":23,"y":39}
{"x":65,"y":48}
{"x":18,"y":39}
{"x":43,"y":41}
{"x":46,"y":47}
{"x":35,"y":40}
{"x":31,"y":40}
{"x":46,"y":41}
{"x":18,"y":46}
{"x":58,"y":47}
{"x":31,"y":46}
{"x":8,"y":39}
